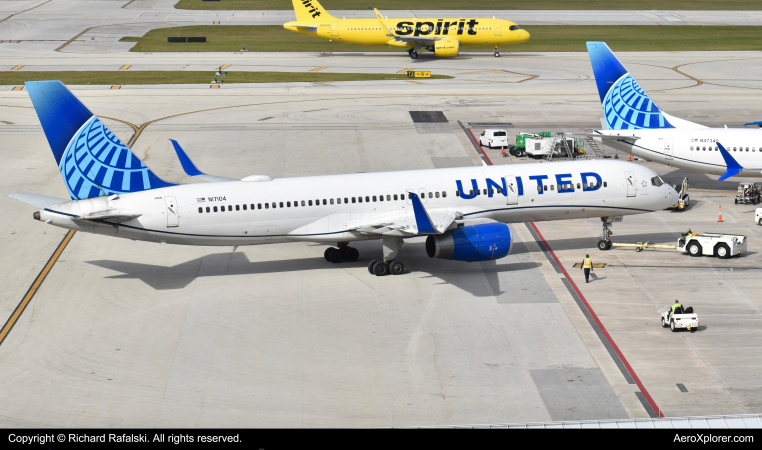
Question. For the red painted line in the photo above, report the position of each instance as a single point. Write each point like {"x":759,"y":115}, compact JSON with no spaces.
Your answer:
{"x":479,"y":146}
{"x":600,"y":325}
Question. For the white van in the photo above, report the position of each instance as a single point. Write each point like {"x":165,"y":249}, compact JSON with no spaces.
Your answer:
{"x":493,"y":138}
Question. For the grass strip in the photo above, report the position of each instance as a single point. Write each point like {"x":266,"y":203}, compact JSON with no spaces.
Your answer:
{"x":555,"y":38}
{"x":692,"y":5}
{"x":118,"y":77}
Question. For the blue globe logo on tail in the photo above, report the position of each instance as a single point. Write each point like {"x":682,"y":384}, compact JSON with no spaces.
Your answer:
{"x":97,"y":163}
{"x":627,"y":106}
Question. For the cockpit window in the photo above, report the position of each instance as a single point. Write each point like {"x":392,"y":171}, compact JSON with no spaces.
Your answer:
{"x":514,"y":27}
{"x":656,"y":181}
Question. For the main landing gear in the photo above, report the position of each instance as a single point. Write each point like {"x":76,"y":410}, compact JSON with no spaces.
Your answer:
{"x":605,"y":242}
{"x":413,"y":54}
{"x":389,"y":265}
{"x":343,"y":253}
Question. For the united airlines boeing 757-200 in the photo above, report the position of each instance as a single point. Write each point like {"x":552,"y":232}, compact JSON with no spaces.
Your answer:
{"x":462,"y":211}
{"x":637,"y":126}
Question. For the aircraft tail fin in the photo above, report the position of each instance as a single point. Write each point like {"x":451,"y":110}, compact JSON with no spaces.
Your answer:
{"x":626,"y":105}
{"x":310,"y":10}
{"x":92,"y":160}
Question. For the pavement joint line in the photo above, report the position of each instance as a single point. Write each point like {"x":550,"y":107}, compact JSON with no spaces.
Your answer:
{"x":125,"y":67}
{"x":16,"y":314}
{"x":608,"y":337}
{"x":18,"y":67}
{"x":20,"y":12}
{"x":317,"y":69}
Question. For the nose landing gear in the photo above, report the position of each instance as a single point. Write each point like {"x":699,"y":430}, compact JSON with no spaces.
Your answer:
{"x":605,"y":242}
{"x":497,"y":52}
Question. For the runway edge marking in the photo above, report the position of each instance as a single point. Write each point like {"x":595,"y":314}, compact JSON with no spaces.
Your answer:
{"x":34,"y":287}
{"x":644,"y":392}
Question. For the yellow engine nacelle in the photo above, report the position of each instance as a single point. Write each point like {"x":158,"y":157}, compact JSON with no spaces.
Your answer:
{"x":446,"y":47}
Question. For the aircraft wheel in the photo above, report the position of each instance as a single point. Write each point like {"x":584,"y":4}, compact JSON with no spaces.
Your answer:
{"x":335,"y":255}
{"x":370,"y":265}
{"x":413,"y":54}
{"x":396,"y":267}
{"x":604,"y":244}
{"x":351,"y":254}
{"x":327,"y":253}
{"x":380,"y":269}
{"x":497,"y":54}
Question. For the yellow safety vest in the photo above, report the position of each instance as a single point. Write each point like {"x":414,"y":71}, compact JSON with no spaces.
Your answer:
{"x":587,"y":264}
{"x":674,"y":307}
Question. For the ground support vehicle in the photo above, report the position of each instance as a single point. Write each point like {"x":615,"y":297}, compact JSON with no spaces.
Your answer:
{"x":550,"y":146}
{"x":520,"y":148}
{"x":681,"y":319}
{"x":711,"y":244}
{"x":758,"y":216}
{"x":492,"y":138}
{"x":749,"y":193}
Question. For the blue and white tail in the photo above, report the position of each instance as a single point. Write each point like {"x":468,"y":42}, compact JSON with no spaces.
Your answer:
{"x":626,"y":105}
{"x":92,"y":160}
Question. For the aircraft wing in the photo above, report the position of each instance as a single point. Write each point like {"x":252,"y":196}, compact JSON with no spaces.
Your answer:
{"x":40,"y":201}
{"x":190,"y":168}
{"x":426,"y":222}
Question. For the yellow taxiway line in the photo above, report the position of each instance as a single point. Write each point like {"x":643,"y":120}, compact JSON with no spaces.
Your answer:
{"x":318,"y":68}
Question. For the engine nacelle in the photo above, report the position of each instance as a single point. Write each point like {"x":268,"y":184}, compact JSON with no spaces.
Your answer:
{"x":446,"y":47}
{"x":472,"y":243}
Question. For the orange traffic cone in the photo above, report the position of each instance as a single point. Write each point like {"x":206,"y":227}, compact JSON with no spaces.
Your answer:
{"x":720,"y":219}
{"x":502,"y":152}
{"x":630,"y":158}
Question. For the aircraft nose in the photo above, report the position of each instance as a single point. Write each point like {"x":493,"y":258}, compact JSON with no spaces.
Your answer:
{"x":524,"y":36}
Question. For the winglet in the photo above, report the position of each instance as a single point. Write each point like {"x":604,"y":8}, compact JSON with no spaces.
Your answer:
{"x":422,"y":219}
{"x":381,"y":21}
{"x":733,"y":167}
{"x":188,"y":165}
{"x":378,"y":13}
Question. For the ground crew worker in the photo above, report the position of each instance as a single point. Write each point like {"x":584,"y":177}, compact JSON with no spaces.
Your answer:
{"x":674,"y":307}
{"x":587,"y":266}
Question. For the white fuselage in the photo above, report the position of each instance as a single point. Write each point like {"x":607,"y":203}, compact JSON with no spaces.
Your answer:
{"x":693,"y":148}
{"x":280,"y":210}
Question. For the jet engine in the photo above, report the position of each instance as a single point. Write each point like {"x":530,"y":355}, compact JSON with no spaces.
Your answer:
{"x":446,"y":47}
{"x":471,"y":243}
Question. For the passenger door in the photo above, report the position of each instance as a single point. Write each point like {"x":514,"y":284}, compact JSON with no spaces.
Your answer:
{"x":632,"y":188}
{"x":512,"y":190}
{"x":335,"y":29}
{"x":173,"y":212}
{"x":498,"y":30}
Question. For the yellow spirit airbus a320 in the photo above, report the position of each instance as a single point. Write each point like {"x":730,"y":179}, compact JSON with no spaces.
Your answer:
{"x":443,"y":37}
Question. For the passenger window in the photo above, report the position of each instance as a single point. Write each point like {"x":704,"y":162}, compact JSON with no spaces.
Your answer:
{"x":222,"y":208}
{"x":388,"y":198}
{"x":457,"y":193}
{"x":325,"y":202}
{"x":605,"y":184}
{"x":579,"y":186}
{"x":310,"y":202}
{"x":244,"y":207}
{"x":215,"y":209}
{"x":552,"y":186}
{"x":395,"y":197}
{"x":374,"y":198}
{"x":471,"y":192}
{"x":367,"y":199}
{"x":431,"y":195}
{"x":402,"y":196}
{"x":437,"y":195}
{"x":598,"y":185}
{"x":539,"y":188}
{"x":332,"y":201}
{"x":237,"y":208}
{"x":288,"y":204}
{"x":491,"y":191}
{"x":275,"y":205}
{"x":353,"y":199}
{"x":444,"y":193}
{"x":381,"y":198}
{"x":267,"y":206}
{"x":359,"y":199}
{"x":200,"y":209}
{"x":545,"y":188}
{"x":346,"y":200}
{"x":691,"y":147}
{"x":304,"y":203}
{"x":259,"y":206}
{"x":485,"y":192}
{"x":207,"y":209}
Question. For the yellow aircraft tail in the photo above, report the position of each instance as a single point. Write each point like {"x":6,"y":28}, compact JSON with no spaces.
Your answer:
{"x":310,"y":10}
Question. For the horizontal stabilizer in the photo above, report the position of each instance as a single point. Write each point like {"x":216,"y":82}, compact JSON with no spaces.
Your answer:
{"x":40,"y":201}
{"x":110,"y":216}
{"x":310,"y":28}
{"x":733,"y":167}
{"x":190,"y":168}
